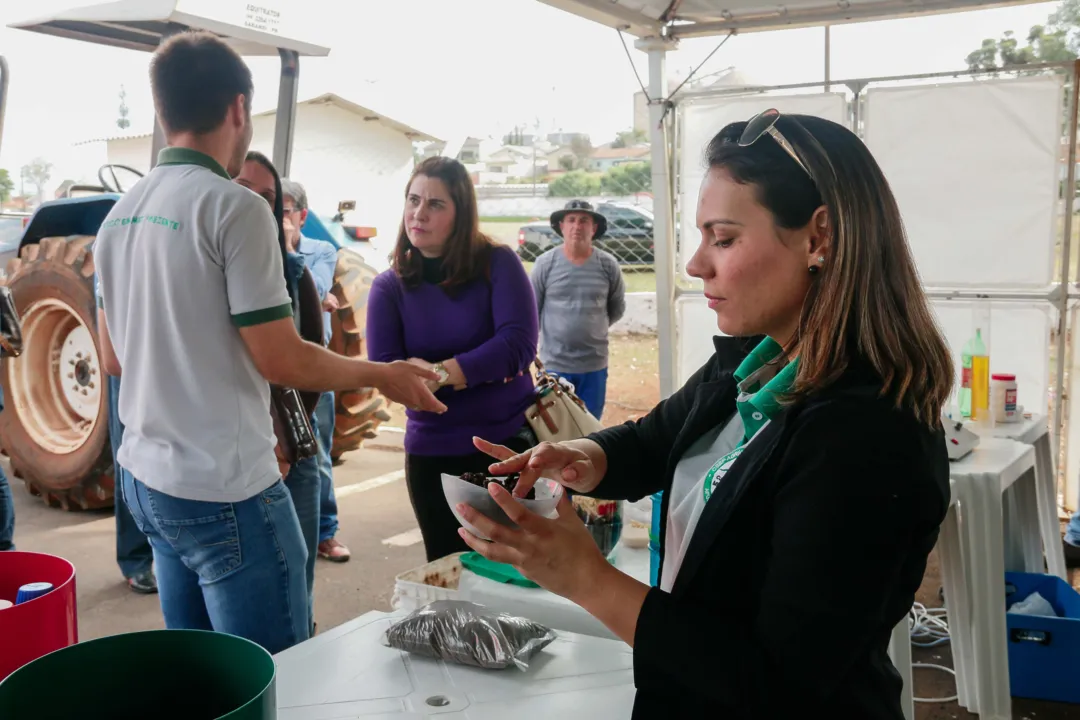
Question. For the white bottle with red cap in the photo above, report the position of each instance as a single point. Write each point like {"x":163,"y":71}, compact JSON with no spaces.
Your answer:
{"x":1003,"y":406}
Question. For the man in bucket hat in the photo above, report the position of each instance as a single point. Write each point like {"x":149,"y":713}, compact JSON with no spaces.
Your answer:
{"x":579,"y":295}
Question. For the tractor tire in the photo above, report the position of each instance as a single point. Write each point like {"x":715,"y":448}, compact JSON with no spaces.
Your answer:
{"x":358,"y":413}
{"x":55,"y":423}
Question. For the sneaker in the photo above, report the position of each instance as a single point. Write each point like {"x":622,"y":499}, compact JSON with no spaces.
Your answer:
{"x":143,"y":583}
{"x":334,"y":551}
{"x":1072,"y":554}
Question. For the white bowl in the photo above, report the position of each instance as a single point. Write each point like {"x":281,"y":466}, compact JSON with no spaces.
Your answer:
{"x":456,"y":490}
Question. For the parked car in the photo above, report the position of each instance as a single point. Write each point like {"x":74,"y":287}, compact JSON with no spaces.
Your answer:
{"x":12,"y":225}
{"x":629,"y":236}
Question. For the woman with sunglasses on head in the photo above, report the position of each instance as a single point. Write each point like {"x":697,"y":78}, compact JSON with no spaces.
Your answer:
{"x":804,"y":467}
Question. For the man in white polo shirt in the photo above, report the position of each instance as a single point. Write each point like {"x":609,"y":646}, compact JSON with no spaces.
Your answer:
{"x":196,"y":316}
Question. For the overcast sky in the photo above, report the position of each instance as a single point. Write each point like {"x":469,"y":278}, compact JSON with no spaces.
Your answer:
{"x":455,"y":66}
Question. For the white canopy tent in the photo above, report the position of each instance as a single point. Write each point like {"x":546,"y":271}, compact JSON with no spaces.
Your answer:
{"x":660,"y":24}
{"x":700,"y":18}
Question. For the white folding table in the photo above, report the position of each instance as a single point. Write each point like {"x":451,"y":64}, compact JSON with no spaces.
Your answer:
{"x":1031,"y":504}
{"x":348,"y":673}
{"x":973,"y":572}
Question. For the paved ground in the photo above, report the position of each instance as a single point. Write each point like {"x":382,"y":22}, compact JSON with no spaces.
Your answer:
{"x":373,"y":506}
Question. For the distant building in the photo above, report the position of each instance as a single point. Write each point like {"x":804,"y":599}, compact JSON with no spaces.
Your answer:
{"x":567,"y":138}
{"x":606,"y":157}
{"x":341,"y":151}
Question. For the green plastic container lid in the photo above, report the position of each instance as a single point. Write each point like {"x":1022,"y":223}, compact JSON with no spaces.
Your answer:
{"x":499,"y":572}
{"x":160,"y":674}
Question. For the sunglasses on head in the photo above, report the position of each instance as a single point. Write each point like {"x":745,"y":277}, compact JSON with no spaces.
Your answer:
{"x":765,"y":124}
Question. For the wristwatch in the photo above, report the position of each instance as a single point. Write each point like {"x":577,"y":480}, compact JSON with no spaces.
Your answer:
{"x":442,"y":372}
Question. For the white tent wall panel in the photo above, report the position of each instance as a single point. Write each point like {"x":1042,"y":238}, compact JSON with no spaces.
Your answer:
{"x":700,"y":120}
{"x":695,"y":328}
{"x":1071,"y":491}
{"x":1018,"y":340}
{"x":1017,"y":333}
{"x":975,"y":170}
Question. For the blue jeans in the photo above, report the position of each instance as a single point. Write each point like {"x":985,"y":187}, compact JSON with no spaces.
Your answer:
{"x":7,"y":505}
{"x":7,"y":514}
{"x":236,"y":568}
{"x":133,"y":552}
{"x":303,"y":484}
{"x":591,"y":387}
{"x":324,"y":428}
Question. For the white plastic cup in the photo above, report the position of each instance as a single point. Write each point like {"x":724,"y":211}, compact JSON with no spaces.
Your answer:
{"x":456,"y":490}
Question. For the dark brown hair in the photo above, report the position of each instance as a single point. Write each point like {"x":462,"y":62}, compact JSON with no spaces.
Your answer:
{"x":468,"y":250}
{"x":866,"y":302}
{"x":195,"y":76}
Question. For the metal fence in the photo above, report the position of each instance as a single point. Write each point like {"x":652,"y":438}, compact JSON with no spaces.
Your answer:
{"x":629,"y":235}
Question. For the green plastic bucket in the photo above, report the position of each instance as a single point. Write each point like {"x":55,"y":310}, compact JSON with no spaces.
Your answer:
{"x":159,"y":674}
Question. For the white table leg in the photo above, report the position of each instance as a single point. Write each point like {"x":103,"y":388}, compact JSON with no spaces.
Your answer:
{"x":982,"y":528}
{"x":1027,"y":523}
{"x":1046,"y":494}
{"x":958,"y":605}
{"x":900,"y":653}
{"x":1015,"y":544}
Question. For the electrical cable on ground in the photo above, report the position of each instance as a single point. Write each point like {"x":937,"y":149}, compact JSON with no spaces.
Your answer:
{"x":930,"y":628}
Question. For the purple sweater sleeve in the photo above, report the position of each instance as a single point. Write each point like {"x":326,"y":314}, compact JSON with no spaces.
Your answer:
{"x":385,"y":332}
{"x":513,"y":309}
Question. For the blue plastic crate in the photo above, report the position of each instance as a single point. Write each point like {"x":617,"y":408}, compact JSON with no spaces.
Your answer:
{"x":654,"y":564}
{"x":1044,"y":652}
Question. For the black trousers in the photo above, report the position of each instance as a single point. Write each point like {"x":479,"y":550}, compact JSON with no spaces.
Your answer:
{"x":438,"y":526}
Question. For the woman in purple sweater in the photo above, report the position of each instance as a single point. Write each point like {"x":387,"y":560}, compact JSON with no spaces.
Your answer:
{"x":456,"y":302}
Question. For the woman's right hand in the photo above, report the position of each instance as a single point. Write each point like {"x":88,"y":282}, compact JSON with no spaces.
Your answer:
{"x":566,"y":465}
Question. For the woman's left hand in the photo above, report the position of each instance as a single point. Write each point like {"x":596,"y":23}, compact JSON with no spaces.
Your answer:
{"x":557,"y":554}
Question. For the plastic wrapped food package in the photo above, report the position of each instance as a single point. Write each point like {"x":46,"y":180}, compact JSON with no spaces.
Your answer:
{"x":469,"y":634}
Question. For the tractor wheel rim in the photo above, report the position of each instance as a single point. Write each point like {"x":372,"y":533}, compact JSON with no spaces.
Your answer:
{"x":56,"y":383}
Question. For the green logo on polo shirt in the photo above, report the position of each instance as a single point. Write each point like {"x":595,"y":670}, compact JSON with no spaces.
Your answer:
{"x":719,"y":470}
{"x":137,"y":219}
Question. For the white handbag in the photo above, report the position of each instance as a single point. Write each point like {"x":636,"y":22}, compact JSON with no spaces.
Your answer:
{"x":557,"y":413}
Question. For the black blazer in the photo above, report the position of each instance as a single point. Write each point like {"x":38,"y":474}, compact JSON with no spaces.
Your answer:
{"x":808,"y":554}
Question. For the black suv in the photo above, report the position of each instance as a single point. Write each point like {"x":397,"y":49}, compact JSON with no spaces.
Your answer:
{"x":629,"y":236}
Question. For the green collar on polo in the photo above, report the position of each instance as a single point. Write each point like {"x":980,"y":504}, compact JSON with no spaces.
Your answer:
{"x":187,"y":156}
{"x":758,"y":403}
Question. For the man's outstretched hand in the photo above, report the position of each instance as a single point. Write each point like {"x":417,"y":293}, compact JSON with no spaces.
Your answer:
{"x":406,"y":383}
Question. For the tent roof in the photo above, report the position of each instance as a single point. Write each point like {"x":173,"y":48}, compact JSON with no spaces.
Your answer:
{"x":698,"y":18}
{"x":141,"y":24}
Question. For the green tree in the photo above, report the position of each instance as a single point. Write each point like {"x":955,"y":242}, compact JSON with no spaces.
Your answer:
{"x":628,"y":138}
{"x":577,"y":183}
{"x":37,"y":172}
{"x":7,"y":185}
{"x":627,"y":179}
{"x":1058,"y":40}
{"x":582,"y":149}
{"x":515,"y":136}
{"x":567,"y":162}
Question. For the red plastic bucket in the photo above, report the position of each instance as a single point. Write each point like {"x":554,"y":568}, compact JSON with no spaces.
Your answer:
{"x":41,"y":625}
